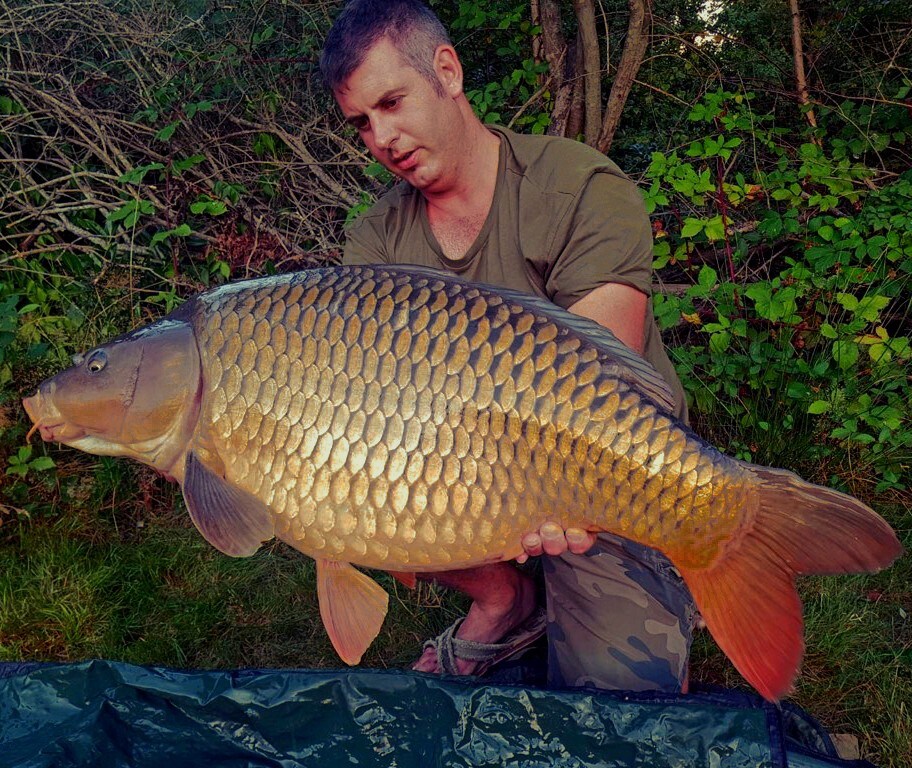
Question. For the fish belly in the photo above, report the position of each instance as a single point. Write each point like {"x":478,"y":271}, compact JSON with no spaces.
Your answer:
{"x":420,"y":424}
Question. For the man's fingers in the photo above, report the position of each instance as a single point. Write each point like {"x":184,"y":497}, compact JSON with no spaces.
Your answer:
{"x":553,"y":540}
{"x":579,"y":541}
{"x":532,"y":544}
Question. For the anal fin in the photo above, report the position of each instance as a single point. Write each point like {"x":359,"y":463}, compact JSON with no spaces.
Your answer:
{"x":353,"y":607}
{"x":405,"y":577}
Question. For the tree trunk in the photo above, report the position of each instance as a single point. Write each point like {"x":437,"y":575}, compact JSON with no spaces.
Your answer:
{"x":555,"y":51}
{"x":592,"y":75}
{"x":638,"y":29}
{"x":576,"y":71}
{"x":798,"y":57}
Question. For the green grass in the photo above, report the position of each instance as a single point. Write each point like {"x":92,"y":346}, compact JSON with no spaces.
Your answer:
{"x":135,"y":582}
{"x":97,"y":559}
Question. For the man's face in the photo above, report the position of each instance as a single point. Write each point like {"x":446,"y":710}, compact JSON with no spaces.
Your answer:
{"x":406,"y":125}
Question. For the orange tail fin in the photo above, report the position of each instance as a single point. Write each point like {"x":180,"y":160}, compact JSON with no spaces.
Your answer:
{"x":748,"y":597}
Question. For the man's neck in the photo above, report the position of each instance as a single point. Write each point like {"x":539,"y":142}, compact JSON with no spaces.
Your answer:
{"x":475,"y":178}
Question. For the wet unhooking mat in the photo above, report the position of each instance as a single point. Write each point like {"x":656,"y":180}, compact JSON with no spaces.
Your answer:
{"x":105,"y":714}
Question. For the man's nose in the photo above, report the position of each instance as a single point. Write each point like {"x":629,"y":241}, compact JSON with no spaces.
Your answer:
{"x":384,"y":133}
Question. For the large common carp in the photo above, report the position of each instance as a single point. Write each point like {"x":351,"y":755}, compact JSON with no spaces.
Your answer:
{"x":397,"y":418}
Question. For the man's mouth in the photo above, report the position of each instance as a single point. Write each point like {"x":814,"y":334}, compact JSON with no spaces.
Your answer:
{"x":405,"y":161}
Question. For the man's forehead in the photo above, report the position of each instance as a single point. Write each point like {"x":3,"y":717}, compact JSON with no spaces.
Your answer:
{"x":382,"y":71}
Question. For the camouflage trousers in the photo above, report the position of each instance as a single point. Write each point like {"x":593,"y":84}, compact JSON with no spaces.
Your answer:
{"x":619,"y":617}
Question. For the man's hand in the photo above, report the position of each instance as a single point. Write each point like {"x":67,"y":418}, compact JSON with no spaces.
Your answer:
{"x":551,"y":539}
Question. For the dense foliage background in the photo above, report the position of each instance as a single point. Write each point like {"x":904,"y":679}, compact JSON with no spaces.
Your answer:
{"x":149,"y":150}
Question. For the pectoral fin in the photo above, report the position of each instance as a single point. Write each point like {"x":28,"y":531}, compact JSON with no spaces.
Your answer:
{"x":231,"y":520}
{"x":353,"y":607}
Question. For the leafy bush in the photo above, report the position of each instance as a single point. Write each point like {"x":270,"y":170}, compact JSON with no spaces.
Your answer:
{"x":796,"y":301}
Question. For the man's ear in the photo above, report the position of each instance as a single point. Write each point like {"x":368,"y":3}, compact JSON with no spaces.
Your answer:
{"x":448,"y":69}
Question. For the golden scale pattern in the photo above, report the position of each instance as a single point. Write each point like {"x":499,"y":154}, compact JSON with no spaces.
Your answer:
{"x":410,"y":423}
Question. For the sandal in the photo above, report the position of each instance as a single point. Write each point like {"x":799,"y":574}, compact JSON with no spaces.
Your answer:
{"x":448,"y":647}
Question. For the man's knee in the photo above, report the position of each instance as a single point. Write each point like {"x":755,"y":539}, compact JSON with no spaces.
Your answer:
{"x":619,"y":618}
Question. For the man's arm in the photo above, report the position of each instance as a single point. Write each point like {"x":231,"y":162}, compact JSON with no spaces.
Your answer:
{"x":620,"y":308}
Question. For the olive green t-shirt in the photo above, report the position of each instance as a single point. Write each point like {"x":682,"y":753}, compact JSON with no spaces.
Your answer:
{"x":564,"y":220}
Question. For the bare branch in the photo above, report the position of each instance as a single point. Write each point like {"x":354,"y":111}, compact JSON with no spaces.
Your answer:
{"x":638,"y":31}
{"x":798,"y":58}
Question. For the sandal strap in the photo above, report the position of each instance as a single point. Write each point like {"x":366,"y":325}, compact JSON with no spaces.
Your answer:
{"x":448,"y":647}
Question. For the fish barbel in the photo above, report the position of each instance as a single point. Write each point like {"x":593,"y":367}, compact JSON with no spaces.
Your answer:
{"x":399,"y":419}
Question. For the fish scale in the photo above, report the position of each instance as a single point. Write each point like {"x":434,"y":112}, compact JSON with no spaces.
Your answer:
{"x":401,"y":419}
{"x":449,"y":412}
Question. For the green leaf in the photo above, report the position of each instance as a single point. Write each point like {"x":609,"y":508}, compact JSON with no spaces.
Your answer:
{"x":848,"y":301}
{"x":818,"y":407}
{"x":186,"y":163}
{"x":139,"y":173}
{"x":719,"y":342}
{"x":42,"y":463}
{"x":708,"y":277}
{"x":692,"y":227}
{"x":210,"y":207}
{"x":180,"y":231}
{"x":828,"y":332}
{"x":167,"y":132}
{"x":845,"y":353}
{"x":121,"y":213}
{"x":715,"y":228}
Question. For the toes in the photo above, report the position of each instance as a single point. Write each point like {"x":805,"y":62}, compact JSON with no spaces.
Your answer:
{"x":427,"y":662}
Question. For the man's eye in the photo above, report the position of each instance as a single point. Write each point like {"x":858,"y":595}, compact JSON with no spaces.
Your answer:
{"x":391,"y":103}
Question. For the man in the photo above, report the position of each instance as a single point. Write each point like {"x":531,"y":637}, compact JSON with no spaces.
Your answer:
{"x":547,"y":216}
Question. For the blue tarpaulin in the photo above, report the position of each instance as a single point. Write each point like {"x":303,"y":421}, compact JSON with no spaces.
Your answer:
{"x":105,"y":714}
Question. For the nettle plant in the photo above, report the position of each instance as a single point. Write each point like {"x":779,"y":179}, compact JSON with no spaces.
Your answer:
{"x":797,"y":266}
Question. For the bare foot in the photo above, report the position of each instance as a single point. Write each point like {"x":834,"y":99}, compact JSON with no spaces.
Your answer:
{"x":509,"y":602}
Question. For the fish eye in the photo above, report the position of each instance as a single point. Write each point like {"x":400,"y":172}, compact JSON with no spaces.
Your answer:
{"x":97,"y":361}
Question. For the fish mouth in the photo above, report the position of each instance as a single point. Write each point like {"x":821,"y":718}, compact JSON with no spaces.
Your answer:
{"x":46,"y":421}
{"x":58,"y":433}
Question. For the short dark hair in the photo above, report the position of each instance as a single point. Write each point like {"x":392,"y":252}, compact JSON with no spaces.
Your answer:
{"x":410,"y":26}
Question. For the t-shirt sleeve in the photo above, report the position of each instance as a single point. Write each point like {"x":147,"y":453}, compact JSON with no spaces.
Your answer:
{"x":364,"y":243}
{"x":605,"y":238}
